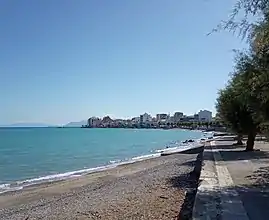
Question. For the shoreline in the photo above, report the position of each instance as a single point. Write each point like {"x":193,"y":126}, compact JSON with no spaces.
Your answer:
{"x":26,"y":183}
{"x":157,"y":182}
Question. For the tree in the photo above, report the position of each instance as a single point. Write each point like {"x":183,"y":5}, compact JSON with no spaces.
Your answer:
{"x":232,"y":107}
{"x":244,"y":104}
{"x":259,"y":80}
{"x":241,"y":17}
{"x":228,"y":110}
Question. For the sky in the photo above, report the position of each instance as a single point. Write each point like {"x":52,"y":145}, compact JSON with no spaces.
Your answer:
{"x":63,"y":61}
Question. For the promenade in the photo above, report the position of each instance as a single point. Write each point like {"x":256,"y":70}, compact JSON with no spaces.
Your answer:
{"x":234,"y":185}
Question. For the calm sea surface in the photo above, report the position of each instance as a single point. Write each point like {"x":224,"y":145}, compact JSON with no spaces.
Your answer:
{"x":32,"y":155}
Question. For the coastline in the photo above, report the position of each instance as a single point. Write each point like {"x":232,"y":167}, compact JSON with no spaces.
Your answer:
{"x":140,"y":187}
{"x":26,"y":183}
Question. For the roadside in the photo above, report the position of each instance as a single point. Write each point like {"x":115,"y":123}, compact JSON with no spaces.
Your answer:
{"x":231,"y":180}
{"x":250,"y":174}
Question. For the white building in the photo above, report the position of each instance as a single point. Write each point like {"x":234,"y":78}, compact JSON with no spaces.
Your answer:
{"x":171,"y":119}
{"x":94,"y":122}
{"x":161,"y":117}
{"x":205,"y":115}
{"x":178,"y":116}
{"x":136,"y":120}
{"x":145,"y":118}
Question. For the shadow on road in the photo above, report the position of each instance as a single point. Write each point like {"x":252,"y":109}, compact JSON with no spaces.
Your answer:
{"x":228,"y":146}
{"x":255,"y":196}
{"x":235,"y":152}
{"x":260,"y":178}
{"x":254,"y":192}
{"x":243,"y":155}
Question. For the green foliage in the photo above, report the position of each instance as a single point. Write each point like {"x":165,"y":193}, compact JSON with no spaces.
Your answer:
{"x":241,"y":17}
{"x":237,"y":105}
{"x":232,"y":112}
{"x":243,"y":105}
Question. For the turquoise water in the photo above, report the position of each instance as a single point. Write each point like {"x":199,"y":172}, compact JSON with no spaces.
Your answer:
{"x":30,"y":155}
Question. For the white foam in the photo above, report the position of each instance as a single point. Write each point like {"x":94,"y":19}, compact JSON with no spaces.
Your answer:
{"x":113,"y":163}
{"x":166,"y":149}
{"x":4,"y":186}
{"x":72,"y":174}
{"x":144,"y":157}
{"x":61,"y":176}
{"x":8,"y":188}
{"x":179,"y":147}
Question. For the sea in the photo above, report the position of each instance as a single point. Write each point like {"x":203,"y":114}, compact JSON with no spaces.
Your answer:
{"x":34,"y":155}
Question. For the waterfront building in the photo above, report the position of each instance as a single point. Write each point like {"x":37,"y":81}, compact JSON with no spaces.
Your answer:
{"x":205,"y":116}
{"x":107,"y":121}
{"x":135,"y":120}
{"x":178,"y":116}
{"x":145,"y":118}
{"x":189,"y":118}
{"x":94,"y":122}
{"x":196,"y":117}
{"x":161,"y":117}
{"x":171,"y":119}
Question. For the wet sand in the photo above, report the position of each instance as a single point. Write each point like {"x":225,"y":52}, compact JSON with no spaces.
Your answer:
{"x":149,"y":189}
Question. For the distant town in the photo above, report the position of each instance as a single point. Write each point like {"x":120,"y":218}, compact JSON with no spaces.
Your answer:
{"x":203,"y":120}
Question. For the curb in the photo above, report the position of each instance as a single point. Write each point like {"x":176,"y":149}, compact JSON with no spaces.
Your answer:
{"x":216,"y":197}
{"x":187,"y":207}
{"x":190,"y":150}
{"x":207,"y":200}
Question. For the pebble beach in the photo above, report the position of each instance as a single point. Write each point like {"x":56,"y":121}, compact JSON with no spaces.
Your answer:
{"x":150,"y":189}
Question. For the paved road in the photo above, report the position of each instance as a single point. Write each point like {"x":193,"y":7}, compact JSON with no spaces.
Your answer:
{"x":250,"y":176}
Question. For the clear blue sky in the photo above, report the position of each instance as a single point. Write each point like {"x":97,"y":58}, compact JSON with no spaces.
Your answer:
{"x":64,"y":61}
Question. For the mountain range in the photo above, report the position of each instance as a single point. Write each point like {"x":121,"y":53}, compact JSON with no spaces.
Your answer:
{"x":37,"y":125}
{"x":76,"y":124}
{"x":43,"y":125}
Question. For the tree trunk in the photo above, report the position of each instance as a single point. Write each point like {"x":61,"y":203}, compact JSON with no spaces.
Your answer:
{"x":250,"y":141}
{"x":239,"y":139}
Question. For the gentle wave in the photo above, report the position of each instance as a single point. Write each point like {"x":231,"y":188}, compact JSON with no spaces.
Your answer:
{"x":144,"y":157}
{"x":6,"y":187}
{"x":177,"y":145}
{"x":115,"y":161}
{"x":50,"y":178}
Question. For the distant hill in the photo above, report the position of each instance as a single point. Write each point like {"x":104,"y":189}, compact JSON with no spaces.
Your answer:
{"x":76,"y":124}
{"x":35,"y":125}
{"x":42,"y":125}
